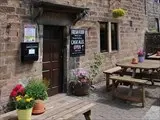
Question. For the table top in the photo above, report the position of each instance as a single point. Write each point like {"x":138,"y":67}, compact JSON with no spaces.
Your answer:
{"x":58,"y":107}
{"x":147,"y":64}
{"x":154,"y":56}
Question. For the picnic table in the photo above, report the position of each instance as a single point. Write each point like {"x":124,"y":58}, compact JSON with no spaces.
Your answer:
{"x":150,"y":66}
{"x":154,"y":57}
{"x":58,"y":107}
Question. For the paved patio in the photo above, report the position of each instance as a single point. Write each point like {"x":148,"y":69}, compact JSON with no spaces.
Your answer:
{"x":108,"y":109}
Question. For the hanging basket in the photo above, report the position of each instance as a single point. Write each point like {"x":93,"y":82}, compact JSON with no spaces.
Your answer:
{"x":118,"y":12}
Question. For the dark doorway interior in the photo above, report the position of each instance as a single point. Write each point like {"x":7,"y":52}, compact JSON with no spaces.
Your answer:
{"x":53,"y":58}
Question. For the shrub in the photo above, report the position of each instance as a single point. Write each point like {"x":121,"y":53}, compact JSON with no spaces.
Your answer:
{"x":37,"y":89}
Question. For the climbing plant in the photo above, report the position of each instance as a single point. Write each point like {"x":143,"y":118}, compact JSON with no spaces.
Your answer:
{"x":95,"y":65}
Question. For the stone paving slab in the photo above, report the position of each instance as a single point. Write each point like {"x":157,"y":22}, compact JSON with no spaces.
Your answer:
{"x":108,"y":109}
{"x":153,"y":113}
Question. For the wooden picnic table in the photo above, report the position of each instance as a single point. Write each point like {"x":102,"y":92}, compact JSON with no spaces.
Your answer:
{"x":154,"y":57}
{"x":148,"y":65}
{"x":58,"y":107}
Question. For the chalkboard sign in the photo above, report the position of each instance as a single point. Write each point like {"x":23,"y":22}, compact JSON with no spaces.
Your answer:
{"x":77,"y":42}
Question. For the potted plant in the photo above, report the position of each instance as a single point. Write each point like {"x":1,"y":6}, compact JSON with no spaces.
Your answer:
{"x":80,"y":82}
{"x":141,"y":55}
{"x":38,"y":90}
{"x":118,"y":12}
{"x":24,"y":105}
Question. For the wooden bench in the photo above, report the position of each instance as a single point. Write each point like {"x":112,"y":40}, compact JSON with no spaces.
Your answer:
{"x":59,"y":107}
{"x":108,"y":73}
{"x":132,"y":81}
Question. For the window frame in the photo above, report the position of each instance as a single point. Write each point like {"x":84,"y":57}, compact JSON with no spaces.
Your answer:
{"x":109,"y":34}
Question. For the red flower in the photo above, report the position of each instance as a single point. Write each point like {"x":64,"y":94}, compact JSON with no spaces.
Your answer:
{"x":17,"y":87}
{"x":20,"y":91}
{"x":13,"y":94}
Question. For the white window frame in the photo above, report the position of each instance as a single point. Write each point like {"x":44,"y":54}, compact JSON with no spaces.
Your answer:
{"x":110,"y":38}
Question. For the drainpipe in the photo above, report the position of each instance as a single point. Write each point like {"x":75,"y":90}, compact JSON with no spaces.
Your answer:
{"x":145,"y":6}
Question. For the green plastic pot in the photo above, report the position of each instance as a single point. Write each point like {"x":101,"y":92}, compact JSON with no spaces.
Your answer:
{"x":24,"y":114}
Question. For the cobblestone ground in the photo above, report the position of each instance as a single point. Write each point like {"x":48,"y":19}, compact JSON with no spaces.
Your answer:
{"x":108,"y":109}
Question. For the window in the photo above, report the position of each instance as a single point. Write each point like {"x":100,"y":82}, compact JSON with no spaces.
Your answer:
{"x":104,"y":37}
{"x":157,"y":25}
{"x":157,"y":1}
{"x":108,"y":37}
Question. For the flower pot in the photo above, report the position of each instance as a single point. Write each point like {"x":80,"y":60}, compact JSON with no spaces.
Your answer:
{"x":38,"y":107}
{"x":141,"y":59}
{"x":24,"y":114}
{"x":81,"y":89}
{"x":134,"y":61}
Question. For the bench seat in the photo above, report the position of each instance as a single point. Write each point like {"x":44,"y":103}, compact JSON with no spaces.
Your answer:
{"x":131,"y":81}
{"x":108,"y":73}
{"x":128,"y":79}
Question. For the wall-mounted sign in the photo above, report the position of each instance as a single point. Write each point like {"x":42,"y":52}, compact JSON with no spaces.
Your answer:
{"x":29,"y":33}
{"x":77,"y":42}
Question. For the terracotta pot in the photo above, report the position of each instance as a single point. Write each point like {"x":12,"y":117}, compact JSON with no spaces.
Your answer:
{"x":38,"y":108}
{"x":134,"y":61}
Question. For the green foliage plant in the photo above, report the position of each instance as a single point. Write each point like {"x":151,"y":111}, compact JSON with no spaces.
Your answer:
{"x":37,"y":89}
{"x":118,"y":12}
{"x":95,"y":65}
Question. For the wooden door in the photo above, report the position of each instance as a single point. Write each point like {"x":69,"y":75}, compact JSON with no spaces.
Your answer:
{"x":52,"y":58}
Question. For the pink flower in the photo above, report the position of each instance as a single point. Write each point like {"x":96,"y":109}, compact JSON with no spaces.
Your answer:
{"x":140,"y":52}
{"x":80,"y":74}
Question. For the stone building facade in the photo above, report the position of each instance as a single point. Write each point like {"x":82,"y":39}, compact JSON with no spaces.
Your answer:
{"x":14,"y":14}
{"x":153,"y":15}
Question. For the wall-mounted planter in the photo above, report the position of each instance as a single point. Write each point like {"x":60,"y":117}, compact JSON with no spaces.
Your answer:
{"x":116,"y":13}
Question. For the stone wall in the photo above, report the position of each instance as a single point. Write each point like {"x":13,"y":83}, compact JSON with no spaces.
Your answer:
{"x":153,"y":11}
{"x":131,"y":36}
{"x":14,"y":13}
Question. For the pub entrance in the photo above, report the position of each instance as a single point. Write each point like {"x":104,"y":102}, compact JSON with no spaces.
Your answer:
{"x":53,"y":58}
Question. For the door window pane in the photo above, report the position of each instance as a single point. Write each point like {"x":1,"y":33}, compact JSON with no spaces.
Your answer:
{"x":157,"y":24}
{"x":114,"y":36}
{"x":104,"y":37}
